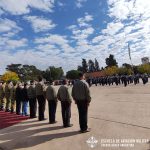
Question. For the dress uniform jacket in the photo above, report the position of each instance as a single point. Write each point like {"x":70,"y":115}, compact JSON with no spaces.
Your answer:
{"x":80,"y":91}
{"x":51,"y":93}
{"x":63,"y":94}
{"x":31,"y":92}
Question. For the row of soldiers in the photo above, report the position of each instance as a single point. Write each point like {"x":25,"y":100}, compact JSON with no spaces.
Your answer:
{"x":38,"y":92}
{"x":117,"y":80}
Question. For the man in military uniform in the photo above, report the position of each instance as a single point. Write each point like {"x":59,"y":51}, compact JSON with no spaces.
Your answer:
{"x":1,"y":97}
{"x":7,"y":96}
{"x":32,"y":99}
{"x":52,"y":103}
{"x":64,"y":96}
{"x":13,"y":97}
{"x":81,"y":96}
{"x":41,"y":100}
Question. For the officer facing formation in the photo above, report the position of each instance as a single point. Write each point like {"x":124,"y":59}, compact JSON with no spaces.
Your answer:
{"x":81,"y":96}
{"x":64,"y":97}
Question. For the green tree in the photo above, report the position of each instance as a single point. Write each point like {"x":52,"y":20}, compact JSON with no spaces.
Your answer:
{"x":53,"y":73}
{"x":124,"y":70}
{"x":72,"y":74}
{"x":84,"y":65}
{"x":80,"y":68}
{"x":96,"y":65}
{"x":111,"y":61}
{"x":91,"y":66}
{"x":109,"y":71}
{"x":25,"y":72}
{"x":10,"y":76}
{"x":126,"y":65}
{"x":144,"y":69}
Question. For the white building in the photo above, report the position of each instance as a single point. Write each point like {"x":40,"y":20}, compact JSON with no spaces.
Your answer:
{"x":145,"y":60}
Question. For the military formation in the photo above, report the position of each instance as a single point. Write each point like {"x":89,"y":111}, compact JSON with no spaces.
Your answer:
{"x":118,"y":80}
{"x":24,"y":98}
{"x":14,"y":98}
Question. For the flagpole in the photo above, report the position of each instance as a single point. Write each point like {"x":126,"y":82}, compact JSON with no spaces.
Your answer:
{"x":129,"y":51}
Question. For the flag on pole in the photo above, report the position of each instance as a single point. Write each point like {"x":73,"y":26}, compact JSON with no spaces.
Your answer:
{"x":129,"y":51}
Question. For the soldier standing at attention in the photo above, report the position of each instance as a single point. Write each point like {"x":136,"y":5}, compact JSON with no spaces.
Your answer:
{"x":13,"y":97}
{"x":7,"y":96}
{"x":32,"y":99}
{"x":1,"y":97}
{"x":65,"y":99}
{"x":41,"y":100}
{"x":81,"y":96}
{"x":18,"y":96}
{"x":52,"y":103}
{"x":25,"y":100}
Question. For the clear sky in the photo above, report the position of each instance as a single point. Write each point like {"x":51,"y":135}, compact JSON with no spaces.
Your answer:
{"x":62,"y":32}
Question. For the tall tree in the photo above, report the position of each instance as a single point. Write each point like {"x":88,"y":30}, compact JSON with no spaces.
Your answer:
{"x":72,"y":74}
{"x":96,"y":65}
{"x":25,"y":72}
{"x":80,"y":68}
{"x":84,"y":65}
{"x":53,"y":73}
{"x":126,"y":65}
{"x":91,"y":66}
{"x":111,"y":61}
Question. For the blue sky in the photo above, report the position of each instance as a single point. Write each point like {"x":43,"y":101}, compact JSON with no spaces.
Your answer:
{"x":62,"y":32}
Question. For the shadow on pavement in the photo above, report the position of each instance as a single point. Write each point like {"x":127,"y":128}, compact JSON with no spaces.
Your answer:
{"x":27,"y":138}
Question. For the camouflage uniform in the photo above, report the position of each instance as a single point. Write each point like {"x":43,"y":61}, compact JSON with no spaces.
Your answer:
{"x":2,"y":102}
{"x":7,"y":96}
{"x":13,"y":98}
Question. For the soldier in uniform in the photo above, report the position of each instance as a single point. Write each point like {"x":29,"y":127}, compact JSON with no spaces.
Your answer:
{"x":1,"y":97}
{"x":64,"y":96}
{"x":52,"y":103}
{"x":7,"y":96}
{"x":40,"y":97}
{"x":81,"y":96}
{"x":32,"y":99}
{"x":18,"y":95}
{"x":13,"y":97}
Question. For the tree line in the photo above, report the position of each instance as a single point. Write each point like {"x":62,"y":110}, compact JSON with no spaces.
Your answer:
{"x":30,"y":72}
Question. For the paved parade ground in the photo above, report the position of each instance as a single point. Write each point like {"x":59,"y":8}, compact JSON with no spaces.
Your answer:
{"x":119,"y":118}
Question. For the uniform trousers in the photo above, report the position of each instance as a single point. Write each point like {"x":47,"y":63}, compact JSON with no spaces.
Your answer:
{"x":41,"y":110}
{"x":83,"y":114}
{"x":66,"y":112}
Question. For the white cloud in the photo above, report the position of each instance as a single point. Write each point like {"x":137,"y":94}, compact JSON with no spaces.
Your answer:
{"x":19,"y":7}
{"x":56,"y":41}
{"x":129,"y":22}
{"x":7,"y":25}
{"x":9,"y":43}
{"x":84,"y":22}
{"x":79,"y":3}
{"x":113,"y":28}
{"x":40,"y":24}
{"x":13,"y":44}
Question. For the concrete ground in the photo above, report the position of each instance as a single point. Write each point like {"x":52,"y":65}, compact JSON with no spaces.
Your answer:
{"x":119,"y":118}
